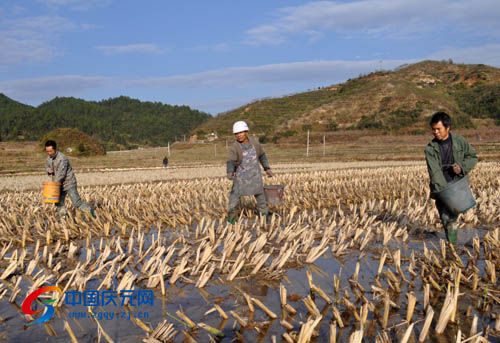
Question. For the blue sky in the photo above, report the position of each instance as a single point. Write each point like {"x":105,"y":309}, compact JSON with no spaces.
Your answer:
{"x":217,"y":55}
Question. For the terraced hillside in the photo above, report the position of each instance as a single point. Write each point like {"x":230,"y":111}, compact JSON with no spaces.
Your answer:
{"x":396,"y":100}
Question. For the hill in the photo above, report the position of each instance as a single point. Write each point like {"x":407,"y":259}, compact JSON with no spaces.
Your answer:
{"x":390,"y":101}
{"x":73,"y":142}
{"x":13,"y":117}
{"x":118,"y":122}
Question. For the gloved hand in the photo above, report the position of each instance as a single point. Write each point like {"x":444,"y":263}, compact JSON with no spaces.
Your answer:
{"x":231,"y":176}
{"x":457,"y":169}
{"x":269,"y":173}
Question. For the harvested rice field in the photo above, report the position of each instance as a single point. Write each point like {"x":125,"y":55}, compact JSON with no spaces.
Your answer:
{"x":355,"y":253}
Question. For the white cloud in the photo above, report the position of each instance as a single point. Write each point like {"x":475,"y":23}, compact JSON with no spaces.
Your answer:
{"x":297,"y":75}
{"x":219,"y":47}
{"x":377,"y":17}
{"x":17,"y":10}
{"x":227,"y":104}
{"x":315,"y":73}
{"x":88,"y":27}
{"x":12,"y":10}
{"x":76,"y":4}
{"x":487,"y":54}
{"x":44,"y":88}
{"x":31,"y":39}
{"x":266,"y":35}
{"x":39,"y":27}
{"x":19,"y":51}
{"x":120,"y":49}
{"x":61,"y":2}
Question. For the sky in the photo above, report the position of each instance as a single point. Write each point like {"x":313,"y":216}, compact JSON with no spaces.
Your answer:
{"x":215,"y":56}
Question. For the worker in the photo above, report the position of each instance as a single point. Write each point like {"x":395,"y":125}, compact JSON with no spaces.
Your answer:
{"x":165,"y":162}
{"x":244,"y":170}
{"x":59,"y":168}
{"x":449,"y":157}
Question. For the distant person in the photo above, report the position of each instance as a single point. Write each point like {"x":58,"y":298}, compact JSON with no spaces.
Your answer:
{"x":165,"y":162}
{"x":59,"y":168}
{"x":244,"y":170}
{"x":449,"y":157}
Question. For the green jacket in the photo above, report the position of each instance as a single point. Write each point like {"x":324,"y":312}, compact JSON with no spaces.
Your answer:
{"x":463,"y":154}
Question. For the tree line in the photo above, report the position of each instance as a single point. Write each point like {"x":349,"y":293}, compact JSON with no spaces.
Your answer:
{"x":119,"y":122}
{"x":481,"y":101}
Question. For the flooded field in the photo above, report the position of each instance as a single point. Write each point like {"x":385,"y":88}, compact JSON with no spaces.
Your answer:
{"x":354,"y":254}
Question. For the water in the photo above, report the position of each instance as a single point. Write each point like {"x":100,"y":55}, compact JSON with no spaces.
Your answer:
{"x":196,"y":302}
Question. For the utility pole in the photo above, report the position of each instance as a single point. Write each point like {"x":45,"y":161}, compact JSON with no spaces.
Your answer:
{"x":324,"y":149}
{"x":307,"y":150}
{"x":168,"y":149}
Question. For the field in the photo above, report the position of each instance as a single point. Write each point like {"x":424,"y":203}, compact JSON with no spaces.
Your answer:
{"x":344,"y":146}
{"x":354,"y":254}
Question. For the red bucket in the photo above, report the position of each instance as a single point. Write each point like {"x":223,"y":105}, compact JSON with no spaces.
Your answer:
{"x":274,"y":194}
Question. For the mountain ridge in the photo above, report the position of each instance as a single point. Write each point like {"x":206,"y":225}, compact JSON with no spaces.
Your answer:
{"x":390,"y":101}
{"x":120,"y":123}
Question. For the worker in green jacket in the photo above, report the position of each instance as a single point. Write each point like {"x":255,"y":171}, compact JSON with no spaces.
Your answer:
{"x":243,"y":169}
{"x":449,"y":156}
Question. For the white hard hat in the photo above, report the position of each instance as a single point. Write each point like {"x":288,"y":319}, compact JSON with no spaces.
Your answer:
{"x":240,"y":126}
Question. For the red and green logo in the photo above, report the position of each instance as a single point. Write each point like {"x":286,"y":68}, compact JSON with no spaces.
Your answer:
{"x":49,"y":309}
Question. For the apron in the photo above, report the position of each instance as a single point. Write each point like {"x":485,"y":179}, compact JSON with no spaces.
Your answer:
{"x":248,"y":174}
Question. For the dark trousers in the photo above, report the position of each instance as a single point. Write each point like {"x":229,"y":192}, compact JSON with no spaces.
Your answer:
{"x":234,"y":199}
{"x":75,"y":199}
{"x":448,"y":219}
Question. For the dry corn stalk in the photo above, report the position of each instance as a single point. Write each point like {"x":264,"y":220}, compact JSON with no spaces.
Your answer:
{"x":446,"y":312}
{"x":264,"y":308}
{"x":427,"y":324}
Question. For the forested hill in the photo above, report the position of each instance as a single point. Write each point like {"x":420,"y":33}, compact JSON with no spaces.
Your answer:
{"x":117,"y":122}
{"x":388,"y":101}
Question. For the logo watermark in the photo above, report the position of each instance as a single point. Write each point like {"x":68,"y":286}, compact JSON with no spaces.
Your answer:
{"x":49,"y":309}
{"x":92,"y":298}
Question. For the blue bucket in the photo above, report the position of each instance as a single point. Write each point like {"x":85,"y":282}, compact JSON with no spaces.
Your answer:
{"x":457,"y":196}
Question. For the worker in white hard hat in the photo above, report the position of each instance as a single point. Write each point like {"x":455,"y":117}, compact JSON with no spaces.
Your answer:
{"x":243,"y":168}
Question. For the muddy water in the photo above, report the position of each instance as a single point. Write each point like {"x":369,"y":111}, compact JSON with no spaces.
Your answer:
{"x":118,"y":323}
